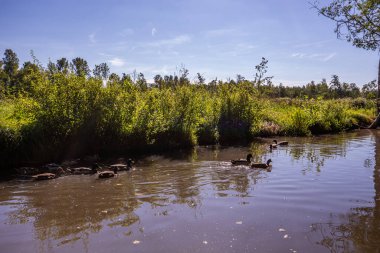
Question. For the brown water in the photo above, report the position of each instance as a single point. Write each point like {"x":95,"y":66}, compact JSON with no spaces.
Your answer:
{"x":322,"y":195}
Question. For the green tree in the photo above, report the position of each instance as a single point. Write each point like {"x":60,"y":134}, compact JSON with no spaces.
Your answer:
{"x":260,"y":76}
{"x":239,"y":78}
{"x":10,"y":62}
{"x":3,"y":78}
{"x":51,"y":68}
{"x":141,"y":82}
{"x":158,"y":80}
{"x":63,"y":66}
{"x":358,"y":22}
{"x":183,"y":79}
{"x":28,"y":76}
{"x":114,"y":80}
{"x":80,"y":67}
{"x":10,"y":67}
{"x":369,"y":90}
{"x":101,"y":71}
{"x":200,"y":79}
{"x":336,"y":87}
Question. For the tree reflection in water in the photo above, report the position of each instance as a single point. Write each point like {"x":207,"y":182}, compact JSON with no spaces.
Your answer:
{"x":175,"y":190}
{"x":358,"y":230}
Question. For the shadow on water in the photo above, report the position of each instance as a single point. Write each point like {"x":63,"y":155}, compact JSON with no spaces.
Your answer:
{"x":185,"y":200}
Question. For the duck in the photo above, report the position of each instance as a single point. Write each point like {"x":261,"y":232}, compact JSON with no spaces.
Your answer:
{"x":272,"y":146}
{"x":107,"y":174}
{"x":83,"y":170}
{"x":262,"y":165}
{"x":129,"y":164}
{"x":242,"y":161}
{"x":44,"y":176}
{"x":281,"y":143}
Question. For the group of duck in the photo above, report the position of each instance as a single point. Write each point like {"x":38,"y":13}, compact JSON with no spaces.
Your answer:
{"x":248,"y":161}
{"x":55,"y":170}
{"x":102,"y":172}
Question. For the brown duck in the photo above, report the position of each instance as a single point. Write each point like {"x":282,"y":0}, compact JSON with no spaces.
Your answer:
{"x":262,"y":165}
{"x":243,"y":161}
{"x":281,"y":143}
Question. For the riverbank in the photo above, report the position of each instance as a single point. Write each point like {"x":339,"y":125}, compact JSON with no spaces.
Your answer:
{"x":84,"y":118}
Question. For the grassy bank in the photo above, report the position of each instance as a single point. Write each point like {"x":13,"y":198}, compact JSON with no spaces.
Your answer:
{"x":70,"y":116}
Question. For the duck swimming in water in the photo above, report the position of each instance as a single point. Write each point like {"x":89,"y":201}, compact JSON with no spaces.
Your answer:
{"x":262,"y":165}
{"x":272,"y":146}
{"x":242,"y":161}
{"x":281,"y":143}
{"x":107,"y":174}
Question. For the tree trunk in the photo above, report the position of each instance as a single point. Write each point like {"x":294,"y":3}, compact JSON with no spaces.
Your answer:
{"x":378,"y":89}
{"x":377,"y":120}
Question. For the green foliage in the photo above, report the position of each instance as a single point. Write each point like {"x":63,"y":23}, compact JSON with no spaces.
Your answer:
{"x":357,"y":21}
{"x":240,"y":113}
{"x":54,"y":113}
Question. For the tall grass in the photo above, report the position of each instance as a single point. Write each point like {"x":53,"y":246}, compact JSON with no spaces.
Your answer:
{"x":67,"y":116}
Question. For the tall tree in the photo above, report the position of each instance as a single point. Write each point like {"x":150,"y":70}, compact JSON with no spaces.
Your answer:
{"x":141,"y":82}
{"x":184,"y":72}
{"x":158,"y":80}
{"x":10,"y":62}
{"x":63,"y":66}
{"x":80,"y":67}
{"x":261,"y":70}
{"x":358,"y":22}
{"x":101,"y":71}
{"x":200,"y":79}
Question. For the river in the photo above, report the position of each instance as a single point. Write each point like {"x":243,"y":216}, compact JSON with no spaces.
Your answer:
{"x":321,"y":195}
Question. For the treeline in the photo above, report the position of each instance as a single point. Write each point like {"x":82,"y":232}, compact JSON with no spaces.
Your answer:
{"x":15,"y":80}
{"x":62,"y":111}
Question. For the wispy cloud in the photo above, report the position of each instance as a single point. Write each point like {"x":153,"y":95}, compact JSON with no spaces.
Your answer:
{"x":329,"y":57}
{"x":320,"y":57}
{"x":126,"y":32}
{"x":117,"y":62}
{"x":154,"y":31}
{"x":91,"y":37}
{"x":181,"y":39}
{"x":224,"y":32}
{"x":320,"y":43}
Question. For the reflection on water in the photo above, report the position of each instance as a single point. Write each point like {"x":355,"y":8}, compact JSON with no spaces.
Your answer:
{"x":322,"y":195}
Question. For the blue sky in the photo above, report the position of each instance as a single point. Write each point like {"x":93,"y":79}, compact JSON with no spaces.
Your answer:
{"x":218,"y":38}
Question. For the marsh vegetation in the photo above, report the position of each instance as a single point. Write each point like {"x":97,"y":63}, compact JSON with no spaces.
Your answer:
{"x":63,"y":111}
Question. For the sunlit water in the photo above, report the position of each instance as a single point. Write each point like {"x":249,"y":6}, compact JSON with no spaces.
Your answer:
{"x":320,"y":196}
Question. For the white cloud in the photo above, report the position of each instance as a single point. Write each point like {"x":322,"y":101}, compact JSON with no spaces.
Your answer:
{"x":298,"y":55}
{"x":329,"y":57}
{"x":181,"y":39}
{"x":154,"y":31}
{"x":91,"y":37}
{"x":117,"y":62}
{"x":319,"y":57}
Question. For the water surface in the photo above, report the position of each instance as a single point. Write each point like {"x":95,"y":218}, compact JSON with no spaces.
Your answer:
{"x":321,"y":195}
